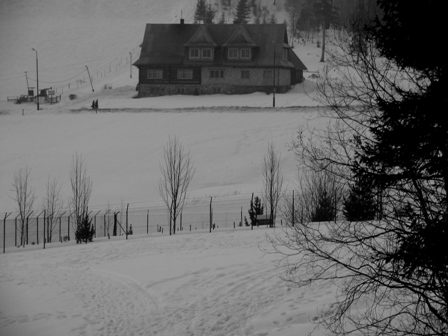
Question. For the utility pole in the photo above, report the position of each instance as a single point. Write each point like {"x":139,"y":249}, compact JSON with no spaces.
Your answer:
{"x":27,"y":85}
{"x":90,"y":78}
{"x":37,"y":79}
{"x":130,"y":63}
{"x":273,"y":76}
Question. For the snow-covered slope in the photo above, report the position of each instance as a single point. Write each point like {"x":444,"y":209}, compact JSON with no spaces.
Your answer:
{"x":218,"y":284}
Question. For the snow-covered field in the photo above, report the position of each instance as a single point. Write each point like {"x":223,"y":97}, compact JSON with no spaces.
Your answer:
{"x":199,"y":284}
{"x":194,"y":284}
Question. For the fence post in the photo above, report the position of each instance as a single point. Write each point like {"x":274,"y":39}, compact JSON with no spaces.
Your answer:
{"x":27,"y":222}
{"x":211,"y":214}
{"x":60,"y":224}
{"x":127,"y":209}
{"x":4,"y":230}
{"x":94,"y":233}
{"x":115,"y":223}
{"x":44,"y":226}
{"x":15,"y":232}
{"x":37,"y":227}
{"x":105,"y":225}
{"x":147,"y":222}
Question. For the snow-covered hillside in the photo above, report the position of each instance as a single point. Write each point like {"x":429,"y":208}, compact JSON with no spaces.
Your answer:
{"x":219,"y":284}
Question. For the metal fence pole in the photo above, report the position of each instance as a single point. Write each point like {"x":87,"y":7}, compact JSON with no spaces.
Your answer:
{"x":27,"y":222}
{"x":4,"y":231}
{"x":105,"y":225}
{"x":37,"y":226}
{"x":15,"y":232}
{"x":127,"y":210}
{"x":211,"y":214}
{"x":94,"y":233}
{"x":60,"y":225}
{"x":45,"y":213}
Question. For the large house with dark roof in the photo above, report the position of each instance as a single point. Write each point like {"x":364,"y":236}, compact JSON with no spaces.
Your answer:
{"x":198,"y":59}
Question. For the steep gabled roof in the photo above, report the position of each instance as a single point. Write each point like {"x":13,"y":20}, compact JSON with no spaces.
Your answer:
{"x":201,"y":38}
{"x":166,"y":44}
{"x":240,"y":38}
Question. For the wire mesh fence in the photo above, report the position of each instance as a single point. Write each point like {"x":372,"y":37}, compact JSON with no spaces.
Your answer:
{"x":198,"y":215}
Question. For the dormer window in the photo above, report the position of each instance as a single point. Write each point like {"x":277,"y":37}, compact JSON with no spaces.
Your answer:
{"x":233,"y":53}
{"x":239,"y":53}
{"x":207,"y":53}
{"x":245,"y":53}
{"x":201,"y":53}
{"x":194,"y":52}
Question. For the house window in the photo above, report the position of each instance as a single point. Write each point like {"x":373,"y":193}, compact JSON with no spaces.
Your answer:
{"x":267,"y":74}
{"x":285,"y":56}
{"x":155,"y":74}
{"x":245,"y":74}
{"x":233,"y":53}
{"x":207,"y":53}
{"x":185,"y":74}
{"x":245,"y":53}
{"x":216,"y":73}
{"x":194,"y":52}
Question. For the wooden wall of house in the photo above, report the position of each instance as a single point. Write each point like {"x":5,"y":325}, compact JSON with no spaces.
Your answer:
{"x":169,"y":75}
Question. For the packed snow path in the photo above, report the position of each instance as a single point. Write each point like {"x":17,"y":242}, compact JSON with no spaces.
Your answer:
{"x":198,"y":284}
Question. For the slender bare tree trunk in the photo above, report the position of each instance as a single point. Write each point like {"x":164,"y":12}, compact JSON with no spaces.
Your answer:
{"x":177,"y":173}
{"x":24,"y":197}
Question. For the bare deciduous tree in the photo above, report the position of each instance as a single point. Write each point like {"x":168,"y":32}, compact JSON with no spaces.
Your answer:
{"x":24,"y":197}
{"x":177,"y":173}
{"x":53,"y":205}
{"x":81,"y":189}
{"x":272,"y":181}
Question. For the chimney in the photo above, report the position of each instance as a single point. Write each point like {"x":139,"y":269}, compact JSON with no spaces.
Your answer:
{"x":182,"y":21}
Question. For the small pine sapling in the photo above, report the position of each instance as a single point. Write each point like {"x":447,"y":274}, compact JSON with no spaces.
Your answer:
{"x":256,"y":208}
{"x":84,"y":231}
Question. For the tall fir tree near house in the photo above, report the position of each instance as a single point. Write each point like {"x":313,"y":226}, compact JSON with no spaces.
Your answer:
{"x":243,"y":12}
{"x":201,"y":12}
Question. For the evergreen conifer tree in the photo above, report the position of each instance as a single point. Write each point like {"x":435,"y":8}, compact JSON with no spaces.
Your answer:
{"x":84,"y":230}
{"x":243,"y":12}
{"x":256,"y":208}
{"x":209,"y":14}
{"x":222,"y":19}
{"x":325,"y":210}
{"x":201,"y":12}
{"x":360,"y":203}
